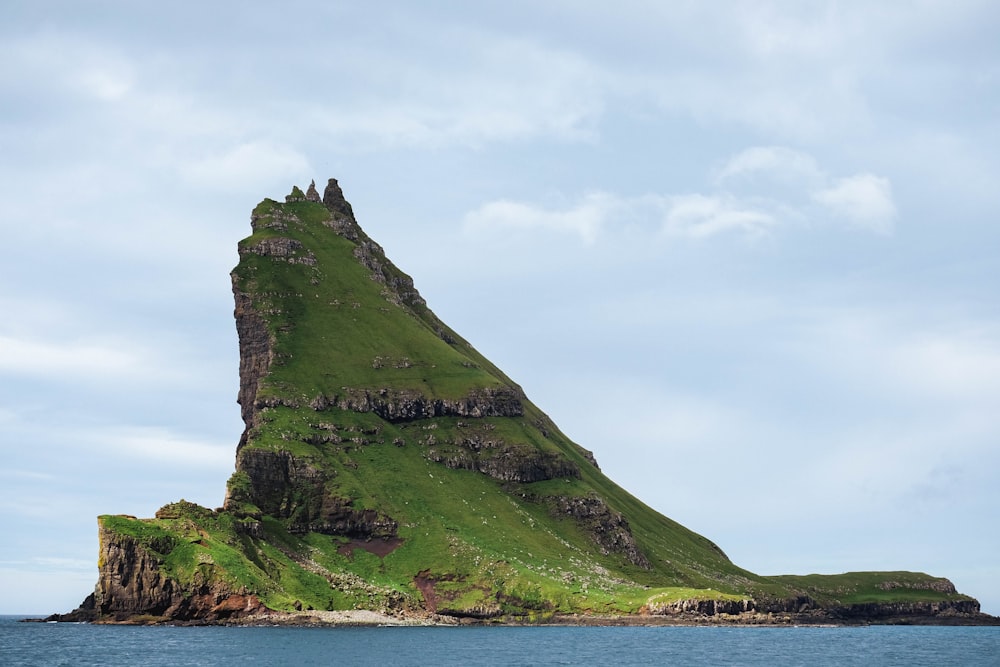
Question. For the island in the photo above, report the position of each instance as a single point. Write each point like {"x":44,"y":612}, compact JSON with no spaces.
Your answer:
{"x":388,"y":473}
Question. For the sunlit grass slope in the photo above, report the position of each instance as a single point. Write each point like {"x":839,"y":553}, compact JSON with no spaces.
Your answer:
{"x":461,"y":528}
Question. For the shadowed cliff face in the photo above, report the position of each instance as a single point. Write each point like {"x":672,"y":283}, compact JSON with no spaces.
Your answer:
{"x":133,"y":586}
{"x":256,"y":354}
{"x":387,"y":465}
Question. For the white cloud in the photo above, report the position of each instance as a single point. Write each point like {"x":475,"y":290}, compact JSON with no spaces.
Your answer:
{"x":689,"y":216}
{"x":585,"y":219}
{"x":502,"y":88}
{"x":67,"y":64}
{"x":96,"y":359}
{"x":70,"y":358}
{"x":163,"y":446}
{"x":248,"y":165}
{"x":864,"y":199}
{"x":778,"y":162}
{"x":700,"y":216}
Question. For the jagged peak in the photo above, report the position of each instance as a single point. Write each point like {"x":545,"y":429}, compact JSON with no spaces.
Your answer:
{"x":333,"y":199}
{"x":295,"y":195}
{"x":312,"y":194}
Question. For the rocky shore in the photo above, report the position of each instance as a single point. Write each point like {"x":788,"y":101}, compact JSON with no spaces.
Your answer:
{"x":857,"y":615}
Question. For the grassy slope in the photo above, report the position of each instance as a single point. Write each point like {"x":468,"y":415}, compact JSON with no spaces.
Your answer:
{"x":864,"y":587}
{"x":487,"y":544}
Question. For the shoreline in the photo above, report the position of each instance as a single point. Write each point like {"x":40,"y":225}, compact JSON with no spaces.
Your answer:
{"x":368,"y":618}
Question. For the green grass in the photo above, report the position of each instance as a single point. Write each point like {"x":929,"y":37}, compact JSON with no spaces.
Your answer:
{"x":488,"y":544}
{"x":861,"y":587}
{"x":335,"y":329}
{"x":332,"y":323}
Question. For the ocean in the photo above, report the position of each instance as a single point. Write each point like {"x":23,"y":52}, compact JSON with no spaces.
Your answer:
{"x":79,"y":644}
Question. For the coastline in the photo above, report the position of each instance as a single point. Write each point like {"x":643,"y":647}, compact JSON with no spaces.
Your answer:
{"x":368,"y":618}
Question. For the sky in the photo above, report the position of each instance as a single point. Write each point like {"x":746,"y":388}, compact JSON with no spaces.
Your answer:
{"x":746,"y":252}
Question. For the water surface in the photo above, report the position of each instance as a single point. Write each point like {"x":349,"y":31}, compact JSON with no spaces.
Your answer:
{"x":79,"y":644}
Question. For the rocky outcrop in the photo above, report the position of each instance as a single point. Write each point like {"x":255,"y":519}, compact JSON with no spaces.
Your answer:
{"x":281,"y":248}
{"x":700,"y":607}
{"x":337,"y":516}
{"x":131,"y":584}
{"x":399,"y":286}
{"x":279,"y":484}
{"x":518,"y":463}
{"x":938,"y":585}
{"x":333,"y":199}
{"x":311,"y":193}
{"x":400,"y":405}
{"x":609,"y":529}
{"x":286,"y":487}
{"x":881,"y":611}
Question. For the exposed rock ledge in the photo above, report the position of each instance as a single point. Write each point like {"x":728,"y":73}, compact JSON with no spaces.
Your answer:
{"x":507,"y":462}
{"x":397,"y":405}
{"x":609,"y":529}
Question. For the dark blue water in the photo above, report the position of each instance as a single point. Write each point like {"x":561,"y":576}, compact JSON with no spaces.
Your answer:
{"x":69,"y":644}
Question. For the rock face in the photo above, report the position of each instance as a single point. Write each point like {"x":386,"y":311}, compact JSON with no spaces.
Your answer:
{"x":387,"y":465}
{"x":256,"y":354}
{"x":132,"y":587}
{"x":407,"y":405}
{"x":609,"y":529}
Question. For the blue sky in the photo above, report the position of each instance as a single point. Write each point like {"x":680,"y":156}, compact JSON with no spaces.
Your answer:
{"x":745,"y":252}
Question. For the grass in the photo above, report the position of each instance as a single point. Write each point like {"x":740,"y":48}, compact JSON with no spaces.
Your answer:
{"x":862,"y":587}
{"x":336,"y":329}
{"x":487,"y":544}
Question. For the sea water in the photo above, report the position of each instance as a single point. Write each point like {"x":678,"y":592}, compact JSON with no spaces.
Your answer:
{"x":81,"y":644}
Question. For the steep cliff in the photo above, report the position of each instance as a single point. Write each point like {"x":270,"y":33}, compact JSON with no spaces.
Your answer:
{"x":386,"y":465}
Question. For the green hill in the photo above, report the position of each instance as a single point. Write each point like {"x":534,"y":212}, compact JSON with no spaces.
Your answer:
{"x":386,"y":465}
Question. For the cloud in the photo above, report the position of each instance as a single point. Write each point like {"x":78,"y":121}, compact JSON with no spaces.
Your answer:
{"x":163,"y":446}
{"x":864,"y":199}
{"x":687,"y":216}
{"x":778,"y":162}
{"x":97,"y":359}
{"x":700,"y":216}
{"x":584,"y":219}
{"x":503,"y":88}
{"x":68,"y":359}
{"x":67,"y":64}
{"x":251,"y":164}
